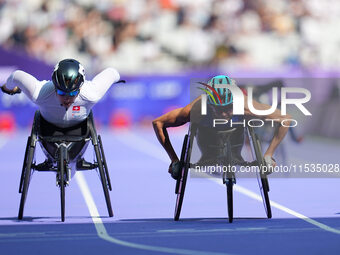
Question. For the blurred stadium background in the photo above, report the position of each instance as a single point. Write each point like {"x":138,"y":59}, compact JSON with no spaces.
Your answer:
{"x":158,"y":45}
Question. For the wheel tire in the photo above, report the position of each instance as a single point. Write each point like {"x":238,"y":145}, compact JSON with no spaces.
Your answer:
{"x":230,"y":199}
{"x":26,"y":181}
{"x":24,"y":165}
{"x":182,"y":180}
{"x":264,"y":181}
{"x":180,"y":195}
{"x":62,"y":168}
{"x":104,"y":163}
{"x":103,"y":181}
{"x":266,"y":197}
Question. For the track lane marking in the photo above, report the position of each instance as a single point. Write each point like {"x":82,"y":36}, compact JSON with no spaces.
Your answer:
{"x":102,"y":233}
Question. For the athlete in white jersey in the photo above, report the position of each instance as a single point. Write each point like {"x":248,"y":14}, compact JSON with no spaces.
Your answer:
{"x":68,"y":99}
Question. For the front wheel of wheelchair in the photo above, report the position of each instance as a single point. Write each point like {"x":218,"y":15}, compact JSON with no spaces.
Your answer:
{"x":61,"y":182}
{"x":230,"y":185}
{"x":229,"y":180}
{"x":25,"y":176}
{"x":104,"y":181}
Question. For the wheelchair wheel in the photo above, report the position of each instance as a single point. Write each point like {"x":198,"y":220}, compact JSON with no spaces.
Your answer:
{"x":182,"y":180}
{"x":103,"y":179}
{"x":229,"y":185}
{"x":61,"y":180}
{"x":26,"y":176}
{"x":261,"y":177}
{"x":24,"y":164}
{"x":104,"y":163}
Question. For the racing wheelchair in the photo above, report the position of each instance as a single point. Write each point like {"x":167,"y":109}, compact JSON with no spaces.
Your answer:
{"x":60,"y":161}
{"x":228,"y":176}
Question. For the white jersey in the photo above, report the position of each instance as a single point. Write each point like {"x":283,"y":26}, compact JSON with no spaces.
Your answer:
{"x":43,"y":94}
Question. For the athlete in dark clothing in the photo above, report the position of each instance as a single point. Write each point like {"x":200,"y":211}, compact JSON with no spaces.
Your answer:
{"x":223,"y":108}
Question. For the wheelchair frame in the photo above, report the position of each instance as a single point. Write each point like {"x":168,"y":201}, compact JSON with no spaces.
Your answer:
{"x":62,"y":162}
{"x":228,"y":178}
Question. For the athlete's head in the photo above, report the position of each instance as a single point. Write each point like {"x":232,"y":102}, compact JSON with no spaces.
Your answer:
{"x":217,"y":96}
{"x":68,"y":76}
{"x":220,"y":96}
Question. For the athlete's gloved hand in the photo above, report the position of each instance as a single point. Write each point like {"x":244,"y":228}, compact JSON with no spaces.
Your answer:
{"x":270,"y":162}
{"x":11,"y":92}
{"x":175,"y":169}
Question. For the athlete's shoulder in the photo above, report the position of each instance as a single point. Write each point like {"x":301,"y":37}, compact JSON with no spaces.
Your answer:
{"x":46,"y":90}
{"x":88,"y":92}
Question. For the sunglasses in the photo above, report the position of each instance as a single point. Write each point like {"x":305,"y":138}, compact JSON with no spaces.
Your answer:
{"x":70,"y":94}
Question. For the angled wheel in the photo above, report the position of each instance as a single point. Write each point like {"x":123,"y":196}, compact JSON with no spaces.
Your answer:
{"x":182,"y":180}
{"x":103,"y":180}
{"x":104,"y":163}
{"x":261,"y":177}
{"x":26,"y":176}
{"x":24,"y":164}
{"x":104,"y":174}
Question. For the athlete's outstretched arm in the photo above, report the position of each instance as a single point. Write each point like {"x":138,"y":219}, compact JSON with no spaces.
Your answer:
{"x":24,"y":81}
{"x":99,"y":85}
{"x":277,"y":117}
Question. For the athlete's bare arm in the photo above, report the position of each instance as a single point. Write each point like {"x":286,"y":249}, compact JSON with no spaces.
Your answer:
{"x":277,"y":117}
{"x":175,"y":118}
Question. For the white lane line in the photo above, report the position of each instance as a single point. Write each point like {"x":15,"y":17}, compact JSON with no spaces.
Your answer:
{"x":102,"y":233}
{"x":138,"y":143}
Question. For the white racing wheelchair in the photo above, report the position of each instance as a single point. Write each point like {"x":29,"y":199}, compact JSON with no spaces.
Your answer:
{"x":59,"y":161}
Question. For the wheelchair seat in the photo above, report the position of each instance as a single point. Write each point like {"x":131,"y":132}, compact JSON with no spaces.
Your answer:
{"x":49,"y":143}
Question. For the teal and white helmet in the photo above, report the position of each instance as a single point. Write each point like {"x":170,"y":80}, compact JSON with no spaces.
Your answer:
{"x":219,"y":96}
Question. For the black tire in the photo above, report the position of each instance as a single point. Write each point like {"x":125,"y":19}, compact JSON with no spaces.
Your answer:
{"x":180,"y":195}
{"x":104,"y":163}
{"x":24,"y":164}
{"x":26,"y":180}
{"x":262,"y":178}
{"x":184,"y":147}
{"x":103,"y":180}
{"x":230,"y":199}
{"x":62,"y":170}
{"x":230,"y":183}
{"x":182,"y":180}
{"x":266,"y":202}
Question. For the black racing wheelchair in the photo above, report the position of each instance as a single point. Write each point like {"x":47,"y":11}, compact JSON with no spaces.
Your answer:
{"x":228,"y":176}
{"x":60,"y":161}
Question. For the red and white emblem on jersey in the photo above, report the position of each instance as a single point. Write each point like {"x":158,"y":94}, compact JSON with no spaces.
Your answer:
{"x":76,"y":108}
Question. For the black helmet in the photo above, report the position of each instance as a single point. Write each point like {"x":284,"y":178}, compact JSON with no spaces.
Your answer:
{"x":68,"y":75}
